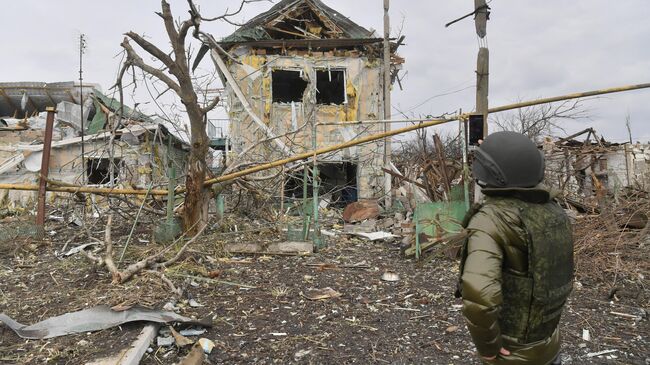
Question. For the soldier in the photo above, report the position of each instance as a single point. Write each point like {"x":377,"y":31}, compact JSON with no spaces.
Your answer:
{"x":517,"y":262}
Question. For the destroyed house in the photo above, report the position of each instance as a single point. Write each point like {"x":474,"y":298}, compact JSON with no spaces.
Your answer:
{"x":586,"y":169}
{"x":137,"y":157}
{"x":303,"y":63}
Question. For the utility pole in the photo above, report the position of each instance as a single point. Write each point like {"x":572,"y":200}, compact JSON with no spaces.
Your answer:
{"x":387,"y":106}
{"x":481,"y":15}
{"x":82,"y":48}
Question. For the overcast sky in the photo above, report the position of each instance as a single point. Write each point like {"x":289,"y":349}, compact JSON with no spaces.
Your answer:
{"x":537,"y":49}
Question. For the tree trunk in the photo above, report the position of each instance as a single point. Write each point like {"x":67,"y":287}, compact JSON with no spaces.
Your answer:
{"x":197,"y":198}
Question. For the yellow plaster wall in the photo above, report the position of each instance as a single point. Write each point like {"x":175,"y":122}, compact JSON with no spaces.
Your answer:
{"x":364,"y":94}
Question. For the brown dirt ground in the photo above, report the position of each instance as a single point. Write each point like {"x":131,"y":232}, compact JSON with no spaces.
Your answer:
{"x":413,"y":321}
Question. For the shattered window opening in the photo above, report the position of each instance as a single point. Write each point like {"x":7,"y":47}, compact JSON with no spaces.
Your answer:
{"x":287,"y":86}
{"x":337,"y":179}
{"x":98,"y":170}
{"x":330,"y":87}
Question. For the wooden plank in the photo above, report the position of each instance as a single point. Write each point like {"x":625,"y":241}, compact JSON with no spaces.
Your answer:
{"x":134,"y":353}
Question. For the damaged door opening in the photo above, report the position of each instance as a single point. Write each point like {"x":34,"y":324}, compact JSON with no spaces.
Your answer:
{"x":338,"y":180}
{"x":287,"y":86}
{"x":330,"y":87}
{"x":98,"y":170}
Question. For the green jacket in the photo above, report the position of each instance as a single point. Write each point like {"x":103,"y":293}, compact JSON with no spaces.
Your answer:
{"x":516,"y":274}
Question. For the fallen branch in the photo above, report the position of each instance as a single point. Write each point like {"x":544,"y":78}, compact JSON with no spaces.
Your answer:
{"x":152,"y":262}
{"x":108,"y":259}
{"x":180,"y":252}
{"x":165,"y":280}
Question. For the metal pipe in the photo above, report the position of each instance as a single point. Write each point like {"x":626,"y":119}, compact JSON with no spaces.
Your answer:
{"x":45,"y":166}
{"x":569,"y":97}
{"x":82,"y":45}
{"x":171,"y":175}
{"x":324,"y":150}
{"x":463,"y":128}
{"x":305,"y":217}
{"x":388,"y":202}
{"x":315,"y":186}
{"x":421,"y":124}
{"x":357,"y":122}
{"x":84,"y":189}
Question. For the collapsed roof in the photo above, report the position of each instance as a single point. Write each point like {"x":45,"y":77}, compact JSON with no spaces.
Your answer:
{"x":299,"y":20}
{"x":24,"y":99}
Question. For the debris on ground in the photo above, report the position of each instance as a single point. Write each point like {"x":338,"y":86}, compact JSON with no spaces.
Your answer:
{"x":91,"y":319}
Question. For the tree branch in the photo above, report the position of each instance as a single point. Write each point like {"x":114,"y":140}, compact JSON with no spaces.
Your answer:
{"x":168,"y":19}
{"x":176,"y":39}
{"x":152,"y":50}
{"x":181,"y":252}
{"x":226,"y":15}
{"x":134,"y":59}
{"x":211,"y":105}
{"x":108,"y":260}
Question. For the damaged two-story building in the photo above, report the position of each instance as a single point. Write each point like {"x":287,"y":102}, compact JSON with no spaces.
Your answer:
{"x":303,"y":63}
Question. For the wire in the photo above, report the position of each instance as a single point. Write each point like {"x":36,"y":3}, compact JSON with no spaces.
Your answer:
{"x":437,"y":96}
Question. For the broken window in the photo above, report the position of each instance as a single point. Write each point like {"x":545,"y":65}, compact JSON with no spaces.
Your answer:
{"x":330,"y":85}
{"x":98,"y":170}
{"x":338,"y":184}
{"x":287,"y":86}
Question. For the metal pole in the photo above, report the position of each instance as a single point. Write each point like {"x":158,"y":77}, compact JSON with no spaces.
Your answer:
{"x":316,"y":239}
{"x":387,"y":106}
{"x":82,"y":46}
{"x":463,"y":129}
{"x":45,"y":165}
{"x":305,"y":216}
{"x":171,"y":175}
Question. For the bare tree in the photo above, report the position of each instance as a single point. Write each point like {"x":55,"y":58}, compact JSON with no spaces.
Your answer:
{"x":174,"y":71}
{"x":628,"y":125}
{"x":540,"y":120}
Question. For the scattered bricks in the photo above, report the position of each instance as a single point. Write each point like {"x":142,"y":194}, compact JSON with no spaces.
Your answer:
{"x":369,"y":225}
{"x":350,"y":228}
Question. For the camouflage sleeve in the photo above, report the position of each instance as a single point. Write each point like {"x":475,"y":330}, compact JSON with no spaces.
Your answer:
{"x":481,"y":284}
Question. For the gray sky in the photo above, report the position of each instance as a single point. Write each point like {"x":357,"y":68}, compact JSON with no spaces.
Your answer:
{"x":537,"y":49}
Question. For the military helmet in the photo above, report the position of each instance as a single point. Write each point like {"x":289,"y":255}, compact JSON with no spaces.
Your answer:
{"x":508,"y":160}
